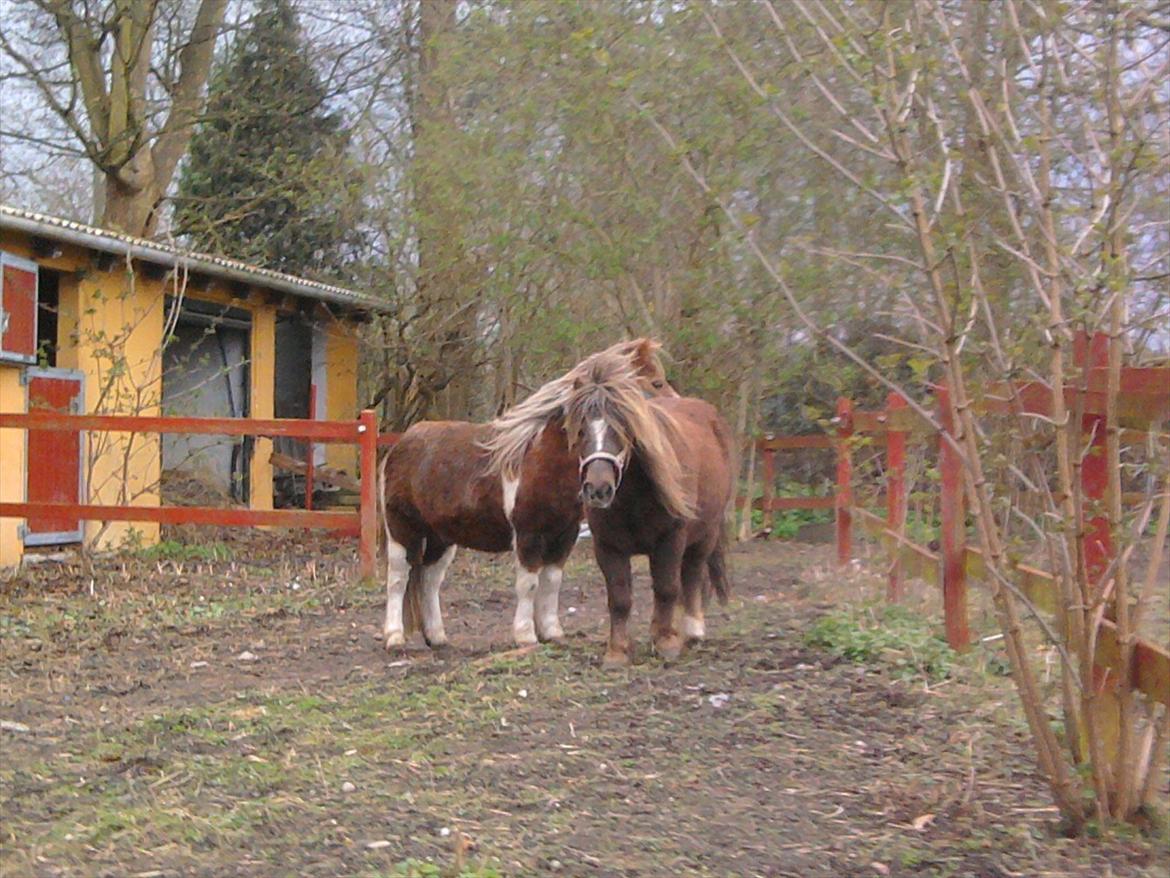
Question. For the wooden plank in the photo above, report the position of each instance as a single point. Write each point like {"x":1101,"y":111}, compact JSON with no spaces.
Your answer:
{"x":368,"y":508}
{"x":297,"y":428}
{"x":224,"y":517}
{"x":895,"y":489}
{"x":844,"y":496}
{"x":1135,"y":410}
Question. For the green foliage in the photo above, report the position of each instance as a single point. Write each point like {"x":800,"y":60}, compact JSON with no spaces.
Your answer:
{"x":172,"y":550}
{"x":891,"y":636}
{"x":268,"y":179}
{"x":786,"y":523}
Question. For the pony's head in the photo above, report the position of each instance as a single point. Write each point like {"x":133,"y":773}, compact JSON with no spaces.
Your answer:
{"x":515,"y":429}
{"x":608,"y":420}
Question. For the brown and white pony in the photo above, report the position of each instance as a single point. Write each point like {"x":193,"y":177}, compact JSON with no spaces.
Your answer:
{"x":656,"y":478}
{"x":486,"y":487}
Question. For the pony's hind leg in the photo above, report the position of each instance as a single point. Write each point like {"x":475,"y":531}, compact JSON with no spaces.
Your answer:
{"x":432,"y":615}
{"x":548,"y":592}
{"x":523,"y":624}
{"x":693,"y":566}
{"x":397,"y":574}
{"x":665,"y":574}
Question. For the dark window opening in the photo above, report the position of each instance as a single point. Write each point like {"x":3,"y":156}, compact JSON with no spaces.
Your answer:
{"x":48,"y":309}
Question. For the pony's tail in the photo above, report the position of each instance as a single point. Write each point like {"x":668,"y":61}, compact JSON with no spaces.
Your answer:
{"x":717,"y":569}
{"x":412,"y":601}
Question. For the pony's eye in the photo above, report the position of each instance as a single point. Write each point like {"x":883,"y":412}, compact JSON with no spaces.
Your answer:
{"x":658,"y":385}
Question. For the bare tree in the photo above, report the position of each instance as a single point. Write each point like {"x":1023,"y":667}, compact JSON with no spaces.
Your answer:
{"x":126,"y":78}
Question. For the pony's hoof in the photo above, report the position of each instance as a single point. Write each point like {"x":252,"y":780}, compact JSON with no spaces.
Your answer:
{"x":524,"y":637}
{"x":616,"y":658}
{"x":669,"y":648}
{"x":436,"y":642}
{"x":553,"y":635}
{"x":393,"y":640}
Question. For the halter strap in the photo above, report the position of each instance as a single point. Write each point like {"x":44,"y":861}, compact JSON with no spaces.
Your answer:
{"x":618,"y":461}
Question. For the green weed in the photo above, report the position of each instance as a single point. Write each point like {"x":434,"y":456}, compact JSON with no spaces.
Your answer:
{"x":892,"y":636}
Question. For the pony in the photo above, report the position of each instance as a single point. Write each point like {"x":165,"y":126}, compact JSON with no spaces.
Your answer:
{"x":511,"y":484}
{"x":656,"y":479}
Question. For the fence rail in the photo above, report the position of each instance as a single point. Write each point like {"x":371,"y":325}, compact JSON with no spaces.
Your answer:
{"x":362,"y":432}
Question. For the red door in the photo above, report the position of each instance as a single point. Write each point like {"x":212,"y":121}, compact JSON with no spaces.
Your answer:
{"x":54,"y":458}
{"x":18,"y":309}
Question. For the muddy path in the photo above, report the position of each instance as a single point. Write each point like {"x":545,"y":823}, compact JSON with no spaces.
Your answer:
{"x":233,"y":713}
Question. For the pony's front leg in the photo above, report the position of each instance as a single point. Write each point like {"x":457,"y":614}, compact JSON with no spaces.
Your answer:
{"x":523,"y":625}
{"x":548,"y":593}
{"x":397,"y":573}
{"x":666,"y":574}
{"x":615,"y":567}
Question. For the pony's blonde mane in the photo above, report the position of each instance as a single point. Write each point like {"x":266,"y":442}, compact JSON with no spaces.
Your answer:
{"x":514,"y":431}
{"x":611,"y":392}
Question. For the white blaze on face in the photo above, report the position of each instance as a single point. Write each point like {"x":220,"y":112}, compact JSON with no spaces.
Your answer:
{"x":597,"y":428}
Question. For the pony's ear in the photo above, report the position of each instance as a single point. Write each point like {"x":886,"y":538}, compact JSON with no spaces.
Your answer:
{"x":644,"y":352}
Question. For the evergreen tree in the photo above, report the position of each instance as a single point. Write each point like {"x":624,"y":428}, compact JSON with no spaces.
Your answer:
{"x":268,"y":179}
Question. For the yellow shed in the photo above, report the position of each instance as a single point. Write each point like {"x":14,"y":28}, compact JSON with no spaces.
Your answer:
{"x":104,"y":323}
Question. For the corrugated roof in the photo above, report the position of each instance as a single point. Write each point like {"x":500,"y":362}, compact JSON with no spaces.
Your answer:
{"x":106,"y":241}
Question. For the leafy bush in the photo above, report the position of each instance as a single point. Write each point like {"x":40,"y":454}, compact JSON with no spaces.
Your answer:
{"x":892,"y":636}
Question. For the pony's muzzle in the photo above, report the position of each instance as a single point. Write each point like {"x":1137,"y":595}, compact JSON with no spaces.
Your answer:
{"x":599,"y":483}
{"x":597,"y":496}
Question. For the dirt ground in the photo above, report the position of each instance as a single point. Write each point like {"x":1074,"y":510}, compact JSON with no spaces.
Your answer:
{"x":225,"y":708}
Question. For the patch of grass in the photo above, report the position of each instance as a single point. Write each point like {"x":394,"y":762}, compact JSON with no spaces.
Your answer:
{"x":172,"y":550}
{"x":891,"y":636}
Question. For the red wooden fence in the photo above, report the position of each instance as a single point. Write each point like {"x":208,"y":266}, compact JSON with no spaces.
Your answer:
{"x":1144,"y":403}
{"x":362,"y":432}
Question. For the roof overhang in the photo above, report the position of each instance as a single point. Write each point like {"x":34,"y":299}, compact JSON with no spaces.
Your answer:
{"x":174,"y":257}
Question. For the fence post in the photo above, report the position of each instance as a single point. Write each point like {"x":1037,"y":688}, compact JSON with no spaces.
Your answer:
{"x":895,"y":491}
{"x":769,"y":486}
{"x":310,"y":463}
{"x":368,"y":450}
{"x":1089,"y":353}
{"x":844,"y":481}
{"x":953,"y":536}
{"x":1093,"y":353}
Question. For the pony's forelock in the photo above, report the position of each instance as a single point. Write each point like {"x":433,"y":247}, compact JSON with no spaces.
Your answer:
{"x":515,"y":430}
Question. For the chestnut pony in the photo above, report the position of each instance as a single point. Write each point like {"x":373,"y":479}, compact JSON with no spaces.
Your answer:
{"x":512,"y":484}
{"x":656,"y":478}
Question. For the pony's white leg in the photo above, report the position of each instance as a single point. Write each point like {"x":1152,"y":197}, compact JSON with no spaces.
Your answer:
{"x":693,"y":626}
{"x":397,"y":572}
{"x":523,"y":627}
{"x":432,"y":579}
{"x":548,"y":593}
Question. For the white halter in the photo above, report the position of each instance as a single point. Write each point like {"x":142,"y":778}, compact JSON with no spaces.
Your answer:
{"x":618,"y":461}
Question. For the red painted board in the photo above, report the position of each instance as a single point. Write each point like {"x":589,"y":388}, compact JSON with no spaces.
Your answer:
{"x":54,"y":458}
{"x":18,"y":299}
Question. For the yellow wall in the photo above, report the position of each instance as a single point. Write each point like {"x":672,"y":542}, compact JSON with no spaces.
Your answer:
{"x":116,"y":328}
{"x":12,"y":481}
{"x":341,"y":366}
